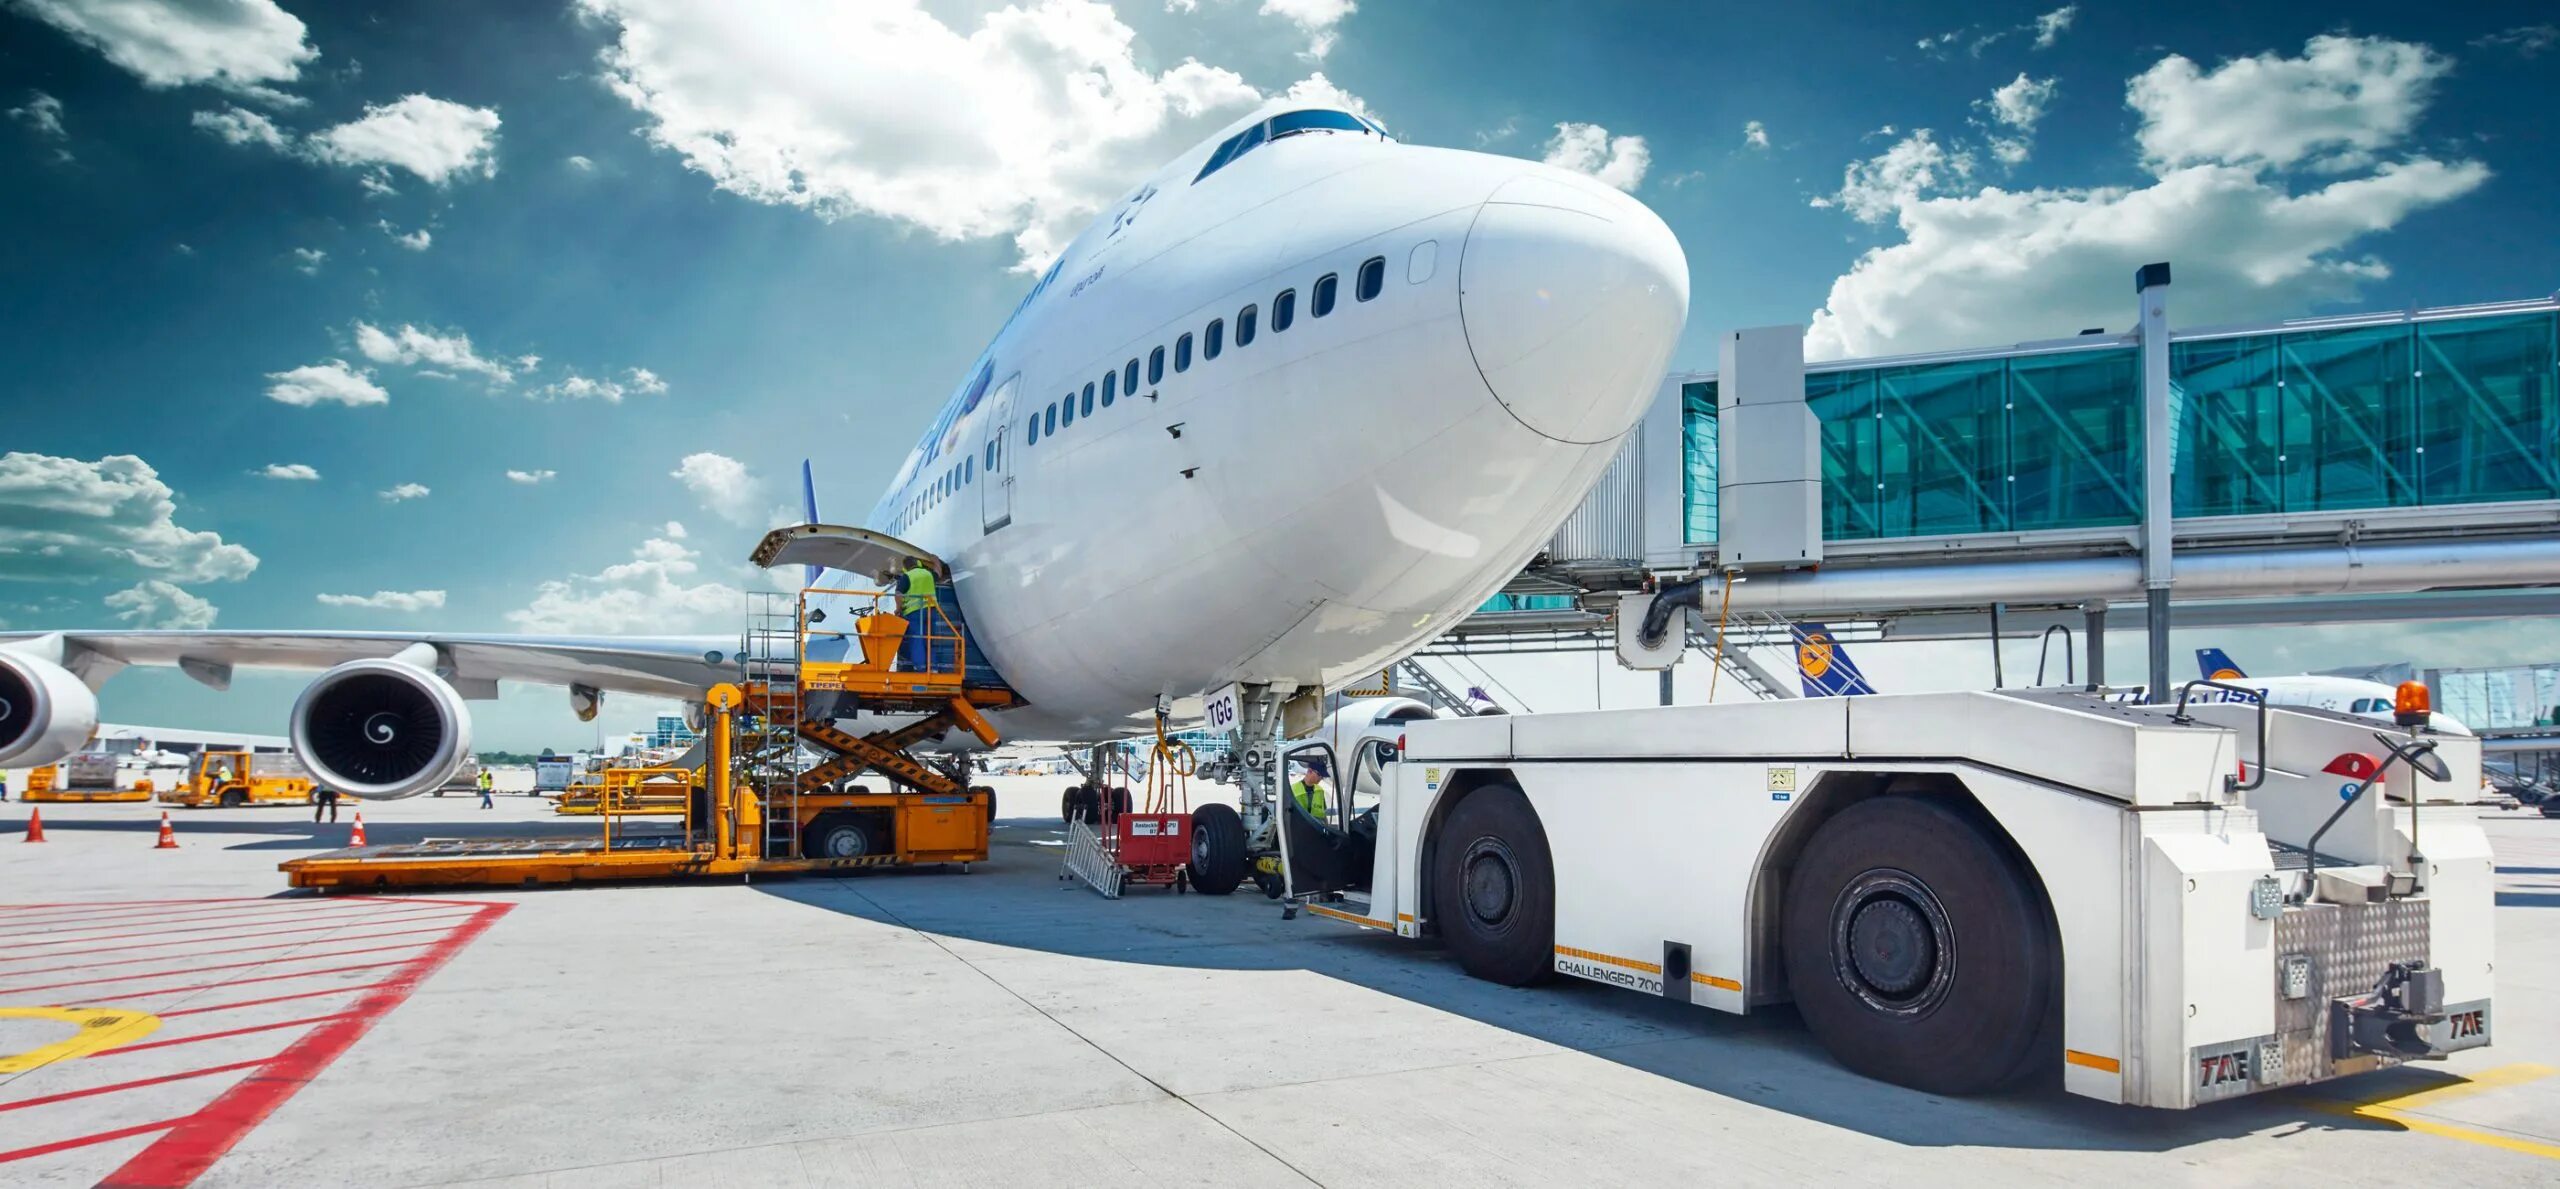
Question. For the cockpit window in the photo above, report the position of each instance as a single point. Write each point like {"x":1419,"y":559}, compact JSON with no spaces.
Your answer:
{"x":1284,"y":125}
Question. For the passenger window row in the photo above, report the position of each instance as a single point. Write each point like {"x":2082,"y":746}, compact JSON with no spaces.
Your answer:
{"x":956,"y":477}
{"x":1122,"y":383}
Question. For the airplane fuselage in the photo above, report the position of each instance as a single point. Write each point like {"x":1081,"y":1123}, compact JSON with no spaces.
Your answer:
{"x":1445,"y":349}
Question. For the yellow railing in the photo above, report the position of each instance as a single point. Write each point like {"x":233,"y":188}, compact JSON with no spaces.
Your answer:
{"x":882,"y":652}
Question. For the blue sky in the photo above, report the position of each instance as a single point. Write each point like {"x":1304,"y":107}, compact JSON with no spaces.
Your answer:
{"x":647,"y":255}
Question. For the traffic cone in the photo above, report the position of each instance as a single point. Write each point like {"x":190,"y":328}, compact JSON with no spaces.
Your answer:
{"x":168,"y":837}
{"x":357,"y":838}
{"x":35,"y":824}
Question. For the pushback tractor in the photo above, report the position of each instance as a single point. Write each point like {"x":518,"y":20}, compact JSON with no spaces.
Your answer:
{"x":2159,"y":905}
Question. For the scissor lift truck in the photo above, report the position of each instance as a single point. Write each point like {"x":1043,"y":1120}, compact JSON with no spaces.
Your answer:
{"x":763,"y":807}
{"x":1958,"y":891}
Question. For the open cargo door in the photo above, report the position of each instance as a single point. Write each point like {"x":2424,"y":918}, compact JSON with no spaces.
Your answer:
{"x":857,"y":551}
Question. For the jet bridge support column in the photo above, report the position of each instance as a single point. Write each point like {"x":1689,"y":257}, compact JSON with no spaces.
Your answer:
{"x":2159,"y":442}
{"x":2094,"y":636}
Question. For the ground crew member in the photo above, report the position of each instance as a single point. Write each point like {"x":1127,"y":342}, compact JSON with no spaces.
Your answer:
{"x":4,"y":786}
{"x":1308,"y":790}
{"x":325,"y":799}
{"x":487,"y":783}
{"x":919,"y":603}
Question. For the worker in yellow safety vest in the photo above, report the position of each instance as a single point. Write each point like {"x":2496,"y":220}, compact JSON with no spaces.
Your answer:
{"x":919,"y":603}
{"x":1308,"y":790}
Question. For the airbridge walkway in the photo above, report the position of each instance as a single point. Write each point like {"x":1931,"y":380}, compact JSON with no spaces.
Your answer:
{"x":2388,"y":466}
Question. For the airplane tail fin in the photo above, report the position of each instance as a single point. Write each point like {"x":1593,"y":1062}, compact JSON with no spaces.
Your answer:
{"x":809,"y":508}
{"x":1825,"y":665}
{"x":2216,"y":665}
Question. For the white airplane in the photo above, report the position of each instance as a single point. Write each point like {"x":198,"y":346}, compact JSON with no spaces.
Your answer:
{"x":1286,"y":411}
{"x":2344,"y":695}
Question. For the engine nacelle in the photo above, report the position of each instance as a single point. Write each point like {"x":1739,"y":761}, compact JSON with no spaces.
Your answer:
{"x":45,"y":712}
{"x":381,"y":730}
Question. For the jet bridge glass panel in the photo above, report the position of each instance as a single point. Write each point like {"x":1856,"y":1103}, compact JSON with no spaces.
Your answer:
{"x":2075,"y":439}
{"x":1942,"y":457}
{"x":2349,"y":425}
{"x":2488,"y":416}
{"x":2230,"y":436}
{"x":1698,"y":434}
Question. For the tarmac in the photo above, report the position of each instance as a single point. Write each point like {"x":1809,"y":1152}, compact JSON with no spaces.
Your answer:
{"x":1000,"y":1027}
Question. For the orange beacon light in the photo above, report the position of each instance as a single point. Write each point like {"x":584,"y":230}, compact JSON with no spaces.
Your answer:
{"x":2409,"y":704}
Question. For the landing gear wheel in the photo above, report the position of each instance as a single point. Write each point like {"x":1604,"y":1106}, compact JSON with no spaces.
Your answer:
{"x":1270,"y":884}
{"x":1912,"y":936}
{"x":1119,"y":802}
{"x":838,"y":836}
{"x":1217,"y":850}
{"x":1073,"y":801}
{"x":1495,"y":885}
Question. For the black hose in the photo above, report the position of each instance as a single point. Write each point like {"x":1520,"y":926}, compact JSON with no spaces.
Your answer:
{"x":1688,"y":593}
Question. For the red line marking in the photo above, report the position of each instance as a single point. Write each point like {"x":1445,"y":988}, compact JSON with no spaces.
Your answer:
{"x":152,"y":933}
{"x":242,"y":982}
{"x":191,"y":1147}
{"x":171,"y":1015}
{"x":235,"y":907}
{"x":119,"y":978}
{"x":61,"y":1145}
{"x":137,"y":1084}
{"x":147,"y":1046}
{"x":95,"y":903}
{"x":109,"y":949}
{"x":272,"y":945}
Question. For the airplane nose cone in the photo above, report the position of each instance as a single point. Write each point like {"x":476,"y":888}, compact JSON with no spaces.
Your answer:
{"x":1573,"y":296}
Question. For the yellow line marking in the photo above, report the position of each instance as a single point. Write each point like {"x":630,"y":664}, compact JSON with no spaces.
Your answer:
{"x":1339,"y":915}
{"x":99,"y":1028}
{"x":2399,"y":1109}
{"x":1721,"y":984}
{"x":1611,"y":959}
{"x":2092,"y":1061}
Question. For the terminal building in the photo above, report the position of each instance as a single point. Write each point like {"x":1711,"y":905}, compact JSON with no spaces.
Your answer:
{"x":2392,"y":466}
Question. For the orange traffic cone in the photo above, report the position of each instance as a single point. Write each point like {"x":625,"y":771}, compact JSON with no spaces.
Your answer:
{"x":35,"y":824}
{"x":168,"y":837}
{"x":357,"y":838}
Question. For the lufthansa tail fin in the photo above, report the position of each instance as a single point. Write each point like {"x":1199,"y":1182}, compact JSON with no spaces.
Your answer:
{"x":1825,"y":665}
{"x":809,"y":508}
{"x":2216,"y":665}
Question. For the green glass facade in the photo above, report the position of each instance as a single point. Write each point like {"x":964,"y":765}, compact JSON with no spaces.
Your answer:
{"x":2449,"y":410}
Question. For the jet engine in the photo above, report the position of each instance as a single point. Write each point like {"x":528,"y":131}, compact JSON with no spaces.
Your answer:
{"x":45,"y":712}
{"x":381,"y":729}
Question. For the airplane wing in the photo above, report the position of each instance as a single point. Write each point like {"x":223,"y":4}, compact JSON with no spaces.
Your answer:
{"x":654,"y":666}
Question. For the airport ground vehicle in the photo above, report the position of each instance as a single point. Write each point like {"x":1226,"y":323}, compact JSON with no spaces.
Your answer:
{"x":2162,"y":907}
{"x":231,"y":779}
{"x":76,"y":780}
{"x":761,"y":806}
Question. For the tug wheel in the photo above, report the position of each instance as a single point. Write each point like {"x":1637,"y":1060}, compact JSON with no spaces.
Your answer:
{"x":1217,"y":850}
{"x":1913,"y":937}
{"x":1493,"y":886}
{"x":838,"y":836}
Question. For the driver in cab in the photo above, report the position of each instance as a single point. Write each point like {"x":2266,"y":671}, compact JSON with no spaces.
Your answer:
{"x":1308,"y":789}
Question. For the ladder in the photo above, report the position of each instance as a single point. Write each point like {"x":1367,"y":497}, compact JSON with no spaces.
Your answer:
{"x":768,"y":745}
{"x":1742,"y":630}
{"x":1434,"y":691}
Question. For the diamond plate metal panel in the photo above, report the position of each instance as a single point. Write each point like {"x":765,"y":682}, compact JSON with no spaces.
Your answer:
{"x":2349,"y":946}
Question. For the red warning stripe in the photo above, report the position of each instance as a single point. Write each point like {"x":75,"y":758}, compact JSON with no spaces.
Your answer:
{"x":149,"y":1045}
{"x":241,"y":949}
{"x":64,"y":1145}
{"x":49,"y":940}
{"x":136,"y":1084}
{"x":187,"y":1150}
{"x":242,"y":982}
{"x":206,"y":912}
{"x":153,"y":945}
{"x":281,"y":958}
{"x":193,"y":1011}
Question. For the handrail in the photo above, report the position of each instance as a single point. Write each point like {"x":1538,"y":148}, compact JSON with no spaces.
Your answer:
{"x":2231,"y":784}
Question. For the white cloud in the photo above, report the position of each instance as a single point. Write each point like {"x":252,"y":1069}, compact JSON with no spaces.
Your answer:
{"x":377,"y":184}
{"x":153,"y":603}
{"x":2020,"y":102}
{"x":2528,"y":41}
{"x":416,"y":346}
{"x":1755,"y":135}
{"x":42,"y":114}
{"x":387,"y":600}
{"x":530,"y":477}
{"x":723,"y":484}
{"x":307,"y":261}
{"x":1316,"y":18}
{"x":415,"y":241}
{"x":655,"y":592}
{"x":1618,"y":161}
{"x":1915,"y":167}
{"x":240,"y":126}
{"x":2334,"y":107}
{"x":2051,"y":26}
{"x":406,"y":491}
{"x":581,"y":164}
{"x":238,"y":45}
{"x":298,"y":471}
{"x":112,"y":520}
{"x":635,"y":381}
{"x":333,"y":381}
{"x":674,"y":529}
{"x":2247,"y":236}
{"x":1025,"y":124}
{"x":436,"y":139}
